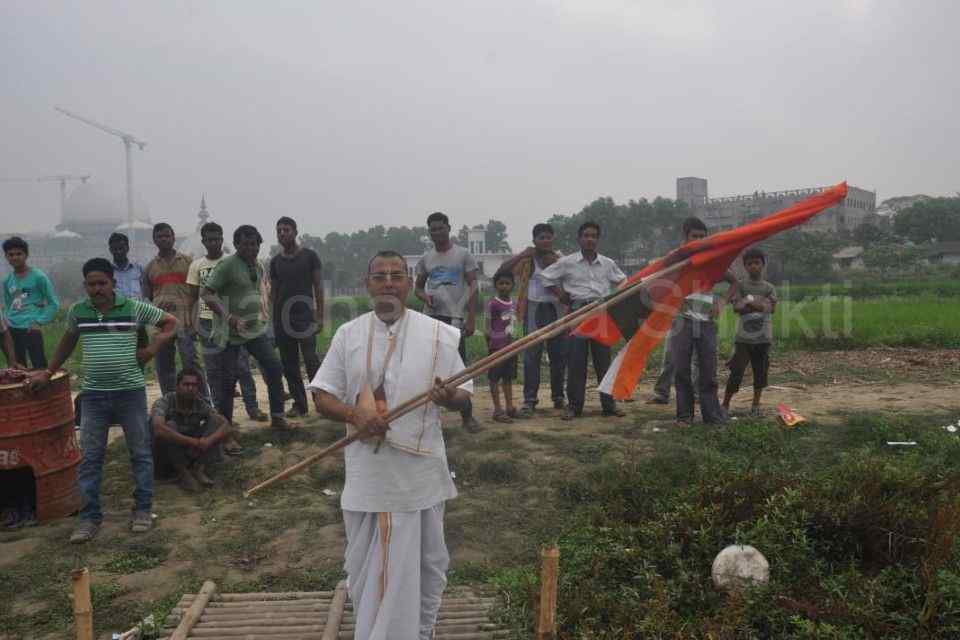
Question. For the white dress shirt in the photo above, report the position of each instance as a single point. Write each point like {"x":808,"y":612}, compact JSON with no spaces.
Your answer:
{"x":582,"y":279}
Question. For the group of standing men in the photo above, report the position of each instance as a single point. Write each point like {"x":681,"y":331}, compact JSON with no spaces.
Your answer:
{"x":549,"y":287}
{"x":225,"y":301}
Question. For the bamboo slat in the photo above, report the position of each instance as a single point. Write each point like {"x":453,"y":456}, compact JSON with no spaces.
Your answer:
{"x":335,"y":613}
{"x":192,"y":615}
{"x":319,"y":615}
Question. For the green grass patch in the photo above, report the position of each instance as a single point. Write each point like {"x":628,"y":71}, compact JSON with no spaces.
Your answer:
{"x":136,"y":557}
{"x":861,"y":536}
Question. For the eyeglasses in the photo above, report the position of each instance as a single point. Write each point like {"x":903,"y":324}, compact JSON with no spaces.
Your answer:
{"x":394,"y":276}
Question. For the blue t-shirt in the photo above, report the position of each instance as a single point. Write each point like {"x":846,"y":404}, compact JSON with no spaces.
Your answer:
{"x":30,"y":299}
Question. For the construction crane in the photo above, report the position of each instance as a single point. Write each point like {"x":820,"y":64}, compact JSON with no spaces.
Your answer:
{"x":128,"y":142}
{"x":62,"y":178}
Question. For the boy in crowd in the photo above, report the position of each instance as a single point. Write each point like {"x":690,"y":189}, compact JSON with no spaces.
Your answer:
{"x":755,"y":301}
{"x":447,"y":285}
{"x":668,"y":370}
{"x":536,"y":308}
{"x":577,"y":280}
{"x":501,"y":312}
{"x":30,"y":301}
{"x":694,"y":334}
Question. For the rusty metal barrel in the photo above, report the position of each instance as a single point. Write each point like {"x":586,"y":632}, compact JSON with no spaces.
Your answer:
{"x":37,"y":433}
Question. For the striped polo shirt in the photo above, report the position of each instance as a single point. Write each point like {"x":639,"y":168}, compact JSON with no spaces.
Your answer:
{"x":109,"y":342}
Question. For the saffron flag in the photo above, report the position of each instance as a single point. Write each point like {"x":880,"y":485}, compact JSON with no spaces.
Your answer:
{"x":645,"y":318}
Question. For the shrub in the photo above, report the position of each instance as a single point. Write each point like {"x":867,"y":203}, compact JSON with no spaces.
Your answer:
{"x":861,"y":538}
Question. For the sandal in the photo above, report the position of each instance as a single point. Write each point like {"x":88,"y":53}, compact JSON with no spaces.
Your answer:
{"x":500,"y":416}
{"x":513,"y":414}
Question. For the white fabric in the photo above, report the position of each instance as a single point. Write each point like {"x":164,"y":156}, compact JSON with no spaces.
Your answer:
{"x":536,"y":292}
{"x":705,"y":300}
{"x":410,"y":471}
{"x":582,"y":279}
{"x":200,"y":270}
{"x":396,"y":595}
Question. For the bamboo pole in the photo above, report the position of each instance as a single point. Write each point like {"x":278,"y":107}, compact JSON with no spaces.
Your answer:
{"x":547,"y":619}
{"x":253,"y":620}
{"x":193,"y":614}
{"x":280,"y":595}
{"x":485,"y":364}
{"x":335,"y":614}
{"x":82,"y":607}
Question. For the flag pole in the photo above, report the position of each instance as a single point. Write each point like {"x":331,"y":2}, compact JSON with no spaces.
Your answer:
{"x":485,"y":364}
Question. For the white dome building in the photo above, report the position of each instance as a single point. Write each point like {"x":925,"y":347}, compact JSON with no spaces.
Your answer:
{"x":92,"y":210}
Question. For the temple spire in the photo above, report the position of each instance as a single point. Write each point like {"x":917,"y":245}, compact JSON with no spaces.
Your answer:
{"x":203,"y":214}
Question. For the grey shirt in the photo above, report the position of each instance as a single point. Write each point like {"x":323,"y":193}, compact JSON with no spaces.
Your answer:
{"x":447,"y":280}
{"x":754,"y":327}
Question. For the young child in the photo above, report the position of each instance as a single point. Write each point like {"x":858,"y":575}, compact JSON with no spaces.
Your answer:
{"x":30,"y":301}
{"x":500,"y":316}
{"x":693,"y":338}
{"x":755,"y":301}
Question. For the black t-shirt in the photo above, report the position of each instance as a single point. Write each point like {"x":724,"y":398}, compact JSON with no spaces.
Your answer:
{"x":291,"y":278}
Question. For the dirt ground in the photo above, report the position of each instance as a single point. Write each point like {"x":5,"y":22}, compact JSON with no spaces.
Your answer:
{"x":818,"y":385}
{"x":291,"y":537}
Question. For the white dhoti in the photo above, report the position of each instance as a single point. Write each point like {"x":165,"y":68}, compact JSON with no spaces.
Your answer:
{"x":394,"y":495}
{"x":396,"y":564}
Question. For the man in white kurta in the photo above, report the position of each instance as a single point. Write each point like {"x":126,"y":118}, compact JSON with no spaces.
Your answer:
{"x":397,"y":478}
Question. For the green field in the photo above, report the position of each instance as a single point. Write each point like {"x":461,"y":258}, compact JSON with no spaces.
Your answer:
{"x":845,"y":323}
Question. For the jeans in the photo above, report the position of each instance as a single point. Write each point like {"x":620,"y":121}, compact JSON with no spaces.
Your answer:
{"x":100,"y":409}
{"x":248,"y":387}
{"x":262,"y":351}
{"x":539,"y":315}
{"x":29,"y":343}
{"x":467,"y":412}
{"x":667,"y":370}
{"x":290,"y":349}
{"x":213,"y":363}
{"x":166,"y":360}
{"x":696,"y":339}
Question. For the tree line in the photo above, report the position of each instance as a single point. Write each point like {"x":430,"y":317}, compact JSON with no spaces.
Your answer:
{"x":640,"y":230}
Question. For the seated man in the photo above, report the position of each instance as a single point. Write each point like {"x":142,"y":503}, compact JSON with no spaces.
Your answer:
{"x":186,"y":431}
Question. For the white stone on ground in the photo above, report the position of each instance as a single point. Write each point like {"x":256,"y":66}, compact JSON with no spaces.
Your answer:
{"x":739,"y":565}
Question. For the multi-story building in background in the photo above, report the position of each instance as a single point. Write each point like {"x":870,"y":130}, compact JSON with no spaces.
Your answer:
{"x":729,"y":212}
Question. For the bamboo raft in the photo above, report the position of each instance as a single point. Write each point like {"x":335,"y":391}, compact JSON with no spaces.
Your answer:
{"x":312,"y":615}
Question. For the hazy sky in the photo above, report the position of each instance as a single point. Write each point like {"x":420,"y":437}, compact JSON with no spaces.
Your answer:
{"x":349,"y":114}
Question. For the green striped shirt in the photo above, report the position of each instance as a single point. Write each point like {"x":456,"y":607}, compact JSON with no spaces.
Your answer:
{"x":109,"y":342}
